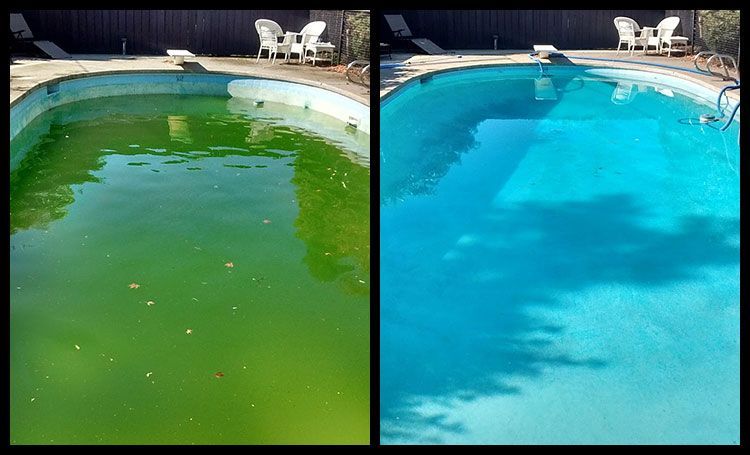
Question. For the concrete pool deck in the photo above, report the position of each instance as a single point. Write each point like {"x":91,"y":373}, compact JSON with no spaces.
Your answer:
{"x":418,"y":65}
{"x":27,"y":73}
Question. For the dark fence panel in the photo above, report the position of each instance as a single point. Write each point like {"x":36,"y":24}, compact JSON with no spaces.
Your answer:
{"x":151,"y":32}
{"x":519,"y":29}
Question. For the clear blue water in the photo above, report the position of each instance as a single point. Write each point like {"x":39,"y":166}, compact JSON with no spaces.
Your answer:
{"x":558,"y":271}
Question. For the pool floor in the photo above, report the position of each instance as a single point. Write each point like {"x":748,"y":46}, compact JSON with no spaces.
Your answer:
{"x":559,"y":279}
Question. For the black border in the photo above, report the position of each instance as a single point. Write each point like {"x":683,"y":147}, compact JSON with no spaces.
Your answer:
{"x":375,"y":13}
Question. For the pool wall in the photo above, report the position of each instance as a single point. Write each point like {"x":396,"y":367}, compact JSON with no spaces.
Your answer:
{"x":55,"y":93}
{"x":700,"y":92}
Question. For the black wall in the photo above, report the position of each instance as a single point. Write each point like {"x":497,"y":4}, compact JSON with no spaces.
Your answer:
{"x":151,"y":32}
{"x":518,"y":29}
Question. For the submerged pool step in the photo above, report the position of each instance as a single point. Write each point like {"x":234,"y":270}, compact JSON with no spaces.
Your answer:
{"x":544,"y":89}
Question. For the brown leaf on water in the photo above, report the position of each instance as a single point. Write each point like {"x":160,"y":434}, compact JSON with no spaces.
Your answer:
{"x":229,"y":264}
{"x":134,"y":285}
{"x":219,"y":374}
{"x":266,"y":221}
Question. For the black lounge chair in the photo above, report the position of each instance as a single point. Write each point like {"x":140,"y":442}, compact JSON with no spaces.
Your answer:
{"x":20,"y":34}
{"x":401,"y":31}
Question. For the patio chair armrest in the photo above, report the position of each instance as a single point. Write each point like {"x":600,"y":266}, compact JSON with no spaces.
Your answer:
{"x":288,"y":38}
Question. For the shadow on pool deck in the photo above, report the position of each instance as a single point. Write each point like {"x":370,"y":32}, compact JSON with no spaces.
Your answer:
{"x":469,"y":342}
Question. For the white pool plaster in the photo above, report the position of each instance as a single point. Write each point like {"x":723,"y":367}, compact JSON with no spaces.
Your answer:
{"x":55,"y":93}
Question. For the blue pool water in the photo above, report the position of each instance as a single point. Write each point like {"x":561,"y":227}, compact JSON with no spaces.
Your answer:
{"x":557,"y":271}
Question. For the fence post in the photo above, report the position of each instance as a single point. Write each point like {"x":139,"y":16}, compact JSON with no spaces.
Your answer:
{"x":692,"y":35}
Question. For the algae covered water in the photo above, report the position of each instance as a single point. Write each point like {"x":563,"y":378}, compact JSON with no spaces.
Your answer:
{"x":188,"y":270}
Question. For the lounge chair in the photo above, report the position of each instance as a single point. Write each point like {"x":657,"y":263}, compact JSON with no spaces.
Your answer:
{"x":269,"y":33}
{"x":663,"y":37}
{"x":401,"y":31}
{"x":310,"y":33}
{"x":630,"y":33}
{"x":21,"y":32}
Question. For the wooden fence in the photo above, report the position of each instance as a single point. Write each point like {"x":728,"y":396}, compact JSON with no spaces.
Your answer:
{"x":518,"y":29}
{"x":151,"y":32}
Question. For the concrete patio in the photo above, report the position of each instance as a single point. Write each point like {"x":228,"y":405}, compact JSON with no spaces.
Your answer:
{"x":28,"y":73}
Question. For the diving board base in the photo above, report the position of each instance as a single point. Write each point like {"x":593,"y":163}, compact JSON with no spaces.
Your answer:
{"x":543,"y":50}
{"x":178,"y":55}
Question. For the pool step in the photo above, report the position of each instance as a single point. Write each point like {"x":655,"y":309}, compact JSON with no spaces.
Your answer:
{"x":544,"y":89}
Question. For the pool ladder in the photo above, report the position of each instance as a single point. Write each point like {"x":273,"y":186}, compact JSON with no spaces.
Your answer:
{"x":722,"y":60}
{"x":358,"y":72}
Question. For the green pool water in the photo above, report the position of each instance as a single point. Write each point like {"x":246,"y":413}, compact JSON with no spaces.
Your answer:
{"x":188,"y":270}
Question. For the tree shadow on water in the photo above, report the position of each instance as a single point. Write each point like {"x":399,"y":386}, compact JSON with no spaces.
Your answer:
{"x":457,"y":325}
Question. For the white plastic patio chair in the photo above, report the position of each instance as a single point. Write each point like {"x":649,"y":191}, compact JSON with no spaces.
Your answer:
{"x":269,"y":33}
{"x":310,"y":33}
{"x":664,"y":35}
{"x":667,"y":40}
{"x":630,"y":33}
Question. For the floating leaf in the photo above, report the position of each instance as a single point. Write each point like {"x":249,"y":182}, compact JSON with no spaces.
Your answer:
{"x":150,"y":302}
{"x":189,"y":331}
{"x":134,"y":285}
{"x":148,"y":375}
{"x":266,"y":221}
{"x":229,"y":264}
{"x":78,"y":348}
{"x":219,"y":374}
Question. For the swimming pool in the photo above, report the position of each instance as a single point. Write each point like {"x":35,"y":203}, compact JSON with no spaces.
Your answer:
{"x":188,"y":269}
{"x":559,"y":260}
